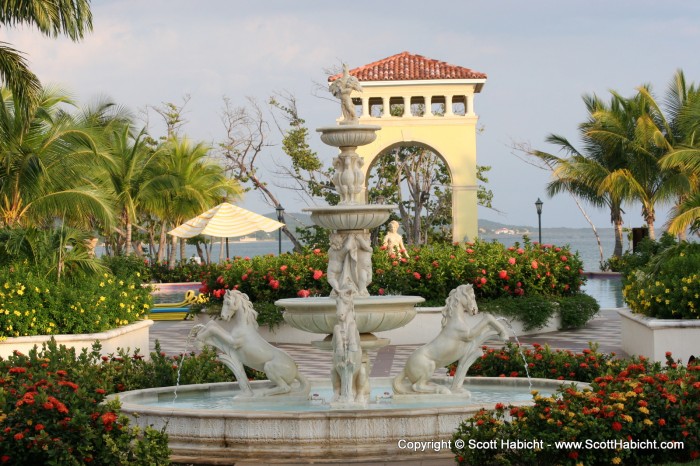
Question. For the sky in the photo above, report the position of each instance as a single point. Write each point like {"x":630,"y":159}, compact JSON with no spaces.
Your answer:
{"x":540,"y":57}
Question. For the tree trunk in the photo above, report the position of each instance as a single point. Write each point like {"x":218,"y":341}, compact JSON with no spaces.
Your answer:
{"x":618,"y":238}
{"x":183,"y":250}
{"x":127,"y":240}
{"x":173,"y":252}
{"x":162,"y":243}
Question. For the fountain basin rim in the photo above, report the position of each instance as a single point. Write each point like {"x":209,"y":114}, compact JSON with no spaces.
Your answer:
{"x":363,"y":303}
{"x":346,"y":128}
{"x":128,"y":404}
{"x":352,"y":208}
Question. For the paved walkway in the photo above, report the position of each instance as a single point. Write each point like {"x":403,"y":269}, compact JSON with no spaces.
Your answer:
{"x":604,"y":329}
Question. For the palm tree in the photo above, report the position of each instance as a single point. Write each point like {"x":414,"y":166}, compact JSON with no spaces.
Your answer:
{"x":637,"y":129}
{"x":132,"y":172}
{"x":582,"y":172}
{"x":197,"y":184}
{"x":45,"y":165}
{"x":70,"y":18}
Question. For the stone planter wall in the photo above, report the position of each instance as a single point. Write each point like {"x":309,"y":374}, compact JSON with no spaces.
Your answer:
{"x":131,"y":336}
{"x":421,"y":330}
{"x":652,"y":338}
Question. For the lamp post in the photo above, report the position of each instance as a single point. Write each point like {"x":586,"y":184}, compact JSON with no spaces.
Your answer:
{"x":280,"y":212}
{"x":538,"y":206}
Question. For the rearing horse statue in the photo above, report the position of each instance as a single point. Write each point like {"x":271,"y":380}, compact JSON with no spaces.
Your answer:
{"x":243,"y":345}
{"x":455,"y":342}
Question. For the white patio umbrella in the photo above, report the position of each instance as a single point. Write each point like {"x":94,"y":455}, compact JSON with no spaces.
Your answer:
{"x":225,"y":221}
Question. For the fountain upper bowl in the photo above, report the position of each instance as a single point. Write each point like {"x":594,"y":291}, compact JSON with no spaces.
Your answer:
{"x":351,"y":216}
{"x":372,"y":314}
{"x":348,"y":135}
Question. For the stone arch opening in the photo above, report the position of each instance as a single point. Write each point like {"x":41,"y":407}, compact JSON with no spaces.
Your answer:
{"x":417,"y":177}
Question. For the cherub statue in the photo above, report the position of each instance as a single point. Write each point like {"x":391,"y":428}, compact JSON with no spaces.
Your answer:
{"x":393,"y":240}
{"x":341,"y":88}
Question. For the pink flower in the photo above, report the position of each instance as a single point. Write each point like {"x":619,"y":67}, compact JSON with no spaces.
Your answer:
{"x":511,"y":260}
{"x":244,"y":277}
{"x":317,"y":251}
{"x":318,"y":274}
{"x":436,"y":264}
{"x":283,"y":268}
{"x":503,"y":274}
{"x":520,"y":251}
{"x":274,"y":284}
{"x":381,"y":291}
{"x":246,"y":258}
{"x":382,"y":247}
{"x":395,"y":263}
{"x":470,"y":251}
{"x":564,"y":258}
{"x":303,"y":293}
{"x":483,"y":280}
{"x":416,"y":275}
{"x":534,"y":264}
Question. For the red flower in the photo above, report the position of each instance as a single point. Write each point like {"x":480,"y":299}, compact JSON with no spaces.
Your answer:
{"x":616,"y":426}
{"x":573,"y":455}
{"x":17,"y":370}
{"x":381,"y":293}
{"x":564,"y":258}
{"x":662,"y":422}
{"x":416,"y":275}
{"x":4,"y":458}
{"x":318,"y":274}
{"x":274,"y":284}
{"x":503,"y":275}
{"x":303,"y":293}
{"x":244,"y":277}
{"x":470,"y":251}
{"x":534,"y":264}
{"x":511,"y":260}
{"x":520,"y":251}
{"x":19,"y":436}
{"x":108,"y":419}
{"x":61,"y":372}
{"x":39,"y":427}
{"x":483,"y":280}
{"x":317,"y":251}
{"x":283,"y":268}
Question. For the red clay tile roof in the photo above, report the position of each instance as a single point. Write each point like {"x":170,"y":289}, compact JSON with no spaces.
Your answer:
{"x":409,"y":67}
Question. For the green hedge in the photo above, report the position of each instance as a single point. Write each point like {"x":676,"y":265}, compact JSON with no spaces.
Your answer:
{"x":668,"y":285}
{"x":32,"y":303}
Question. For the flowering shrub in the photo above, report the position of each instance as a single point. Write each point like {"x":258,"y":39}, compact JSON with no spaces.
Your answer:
{"x":631,"y":404}
{"x":32,"y":304}
{"x":668,"y":287}
{"x":431,"y":271}
{"x":51,"y":412}
{"x":543,"y":362}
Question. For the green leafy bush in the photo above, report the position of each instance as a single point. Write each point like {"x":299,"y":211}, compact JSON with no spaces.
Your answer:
{"x":32,"y":303}
{"x":51,"y":412}
{"x":637,"y":402}
{"x":431,"y":272}
{"x":668,"y":286}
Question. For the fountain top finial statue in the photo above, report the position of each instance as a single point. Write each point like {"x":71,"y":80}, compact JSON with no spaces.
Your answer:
{"x":342,"y":89}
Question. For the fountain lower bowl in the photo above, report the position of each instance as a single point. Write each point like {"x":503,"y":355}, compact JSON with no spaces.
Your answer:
{"x":232,"y":431}
{"x":372,"y":314}
{"x":351,"y":216}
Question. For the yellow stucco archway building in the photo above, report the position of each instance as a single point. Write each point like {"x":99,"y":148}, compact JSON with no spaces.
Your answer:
{"x":435,"y":105}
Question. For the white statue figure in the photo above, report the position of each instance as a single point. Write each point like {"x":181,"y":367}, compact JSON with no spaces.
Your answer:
{"x":243,"y":345}
{"x":456,"y":342}
{"x":350,"y":262}
{"x":347,"y":180}
{"x":342,"y":88}
{"x":348,"y":374}
{"x":359,"y":182}
{"x":393,"y":240}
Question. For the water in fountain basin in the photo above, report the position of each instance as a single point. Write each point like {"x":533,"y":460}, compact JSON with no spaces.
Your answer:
{"x":321,"y":394}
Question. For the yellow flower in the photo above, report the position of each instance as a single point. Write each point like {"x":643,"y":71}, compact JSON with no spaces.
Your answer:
{"x":616,"y":460}
{"x":644,"y":410}
{"x":102,"y":299}
{"x":648,"y":422}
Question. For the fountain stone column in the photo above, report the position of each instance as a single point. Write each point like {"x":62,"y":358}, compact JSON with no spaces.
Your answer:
{"x":349,"y":260}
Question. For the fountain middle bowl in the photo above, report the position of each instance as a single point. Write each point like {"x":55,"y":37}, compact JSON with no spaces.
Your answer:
{"x":372,"y":314}
{"x":351,"y":216}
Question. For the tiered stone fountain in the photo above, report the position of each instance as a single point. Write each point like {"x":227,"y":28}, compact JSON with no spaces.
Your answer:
{"x":289,"y":418}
